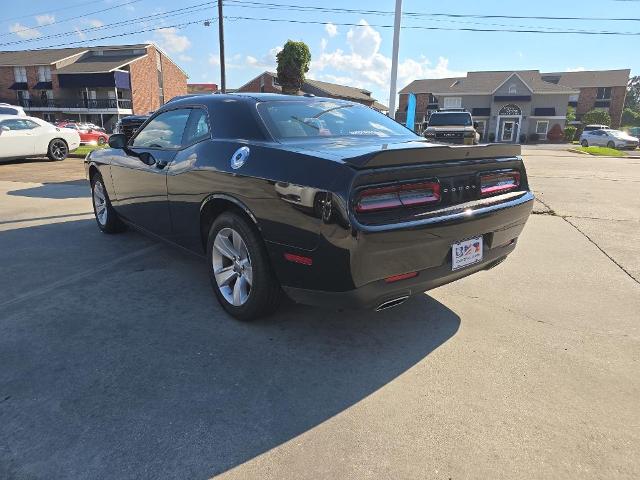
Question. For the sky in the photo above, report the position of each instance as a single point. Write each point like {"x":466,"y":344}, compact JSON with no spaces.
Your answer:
{"x":348,"y":47}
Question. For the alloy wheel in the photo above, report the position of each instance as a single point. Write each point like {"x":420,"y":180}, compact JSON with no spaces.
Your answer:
{"x":100,"y":202}
{"x":232,"y":266}
{"x":59,"y":149}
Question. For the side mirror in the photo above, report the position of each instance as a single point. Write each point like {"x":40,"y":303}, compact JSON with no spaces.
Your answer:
{"x":475,"y":125}
{"x":117,"y":140}
{"x":4,"y":128}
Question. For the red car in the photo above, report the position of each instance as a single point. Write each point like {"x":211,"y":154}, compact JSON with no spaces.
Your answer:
{"x":88,"y":135}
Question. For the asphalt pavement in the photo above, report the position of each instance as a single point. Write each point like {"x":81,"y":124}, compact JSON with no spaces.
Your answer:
{"x":117,"y":363}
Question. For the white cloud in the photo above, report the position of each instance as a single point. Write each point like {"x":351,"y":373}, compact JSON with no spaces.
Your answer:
{"x":323,"y":44}
{"x":576,"y":69}
{"x":331,"y":29}
{"x":365,"y":66}
{"x":80,"y":33}
{"x":24,"y":32}
{"x":94,"y":22}
{"x":214,"y":59}
{"x":169,"y":40}
{"x":45,"y":19}
{"x":185,"y":58}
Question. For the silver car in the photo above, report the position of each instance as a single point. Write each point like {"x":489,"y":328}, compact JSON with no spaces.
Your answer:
{"x":608,"y":138}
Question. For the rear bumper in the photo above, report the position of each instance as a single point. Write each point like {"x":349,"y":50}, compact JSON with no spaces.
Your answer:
{"x":378,"y":252}
{"x":374,"y":294}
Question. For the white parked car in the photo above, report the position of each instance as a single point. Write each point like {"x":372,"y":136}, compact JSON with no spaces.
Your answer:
{"x":8,"y":109}
{"x":22,"y":137}
{"x":608,"y":138}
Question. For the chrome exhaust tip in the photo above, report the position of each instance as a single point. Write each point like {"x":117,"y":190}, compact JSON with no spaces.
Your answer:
{"x":391,"y":303}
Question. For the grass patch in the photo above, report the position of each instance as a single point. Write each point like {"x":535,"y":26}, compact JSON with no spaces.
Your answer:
{"x":82,"y":150}
{"x":601,"y":151}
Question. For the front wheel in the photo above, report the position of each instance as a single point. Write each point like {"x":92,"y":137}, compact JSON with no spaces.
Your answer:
{"x":239,"y":269}
{"x":584,"y":143}
{"x":58,"y":150}
{"x":106,"y":217}
{"x":610,"y":144}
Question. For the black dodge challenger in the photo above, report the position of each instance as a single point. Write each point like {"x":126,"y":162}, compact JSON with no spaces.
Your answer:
{"x":327,"y":200}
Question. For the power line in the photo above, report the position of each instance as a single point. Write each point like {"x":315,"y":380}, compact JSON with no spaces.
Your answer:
{"x":158,"y":16}
{"x":29,"y":15}
{"x":68,"y":19}
{"x":422,"y":14}
{"x":310,"y":22}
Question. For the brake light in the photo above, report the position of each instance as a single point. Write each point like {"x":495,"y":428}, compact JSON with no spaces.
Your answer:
{"x":498,"y":182}
{"x":402,"y":276}
{"x":396,"y":196}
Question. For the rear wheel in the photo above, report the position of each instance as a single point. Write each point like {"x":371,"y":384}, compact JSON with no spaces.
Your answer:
{"x":610,"y":144}
{"x":58,"y":149}
{"x":584,"y":143}
{"x":106,"y":217}
{"x":239,"y":268}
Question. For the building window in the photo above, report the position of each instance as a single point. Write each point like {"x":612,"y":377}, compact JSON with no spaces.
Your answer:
{"x":20,"y":74}
{"x":603,"y":93}
{"x":262,"y":84}
{"x":541,"y":128}
{"x":573,"y":98}
{"x":44,"y":74}
{"x":274,"y":81}
{"x":23,"y":98}
{"x":453,"y":102}
{"x":513,"y":89}
{"x":160,"y":78}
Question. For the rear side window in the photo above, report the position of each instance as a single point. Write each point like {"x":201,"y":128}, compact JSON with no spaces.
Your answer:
{"x":8,"y":111}
{"x":164,"y":131}
{"x":197,"y":127}
{"x":19,"y":124}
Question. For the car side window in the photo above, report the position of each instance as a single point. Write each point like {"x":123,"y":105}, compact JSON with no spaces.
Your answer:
{"x":197,"y":127}
{"x":163,"y":131}
{"x":16,"y":125}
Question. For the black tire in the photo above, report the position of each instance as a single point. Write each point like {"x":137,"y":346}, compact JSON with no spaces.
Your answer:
{"x":110,"y":222}
{"x":102,"y":141}
{"x":610,"y":144}
{"x":265,"y":293}
{"x":57,"y":150}
{"x":584,"y":143}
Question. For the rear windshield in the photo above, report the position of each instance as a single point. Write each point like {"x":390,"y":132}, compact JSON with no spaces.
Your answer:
{"x":299,"y":119}
{"x":453,"y":118}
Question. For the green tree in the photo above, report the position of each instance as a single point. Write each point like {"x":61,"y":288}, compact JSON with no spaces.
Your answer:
{"x":571,"y":114}
{"x":630,"y":118}
{"x":632,"y":99}
{"x":293,"y":63}
{"x":598,"y":117}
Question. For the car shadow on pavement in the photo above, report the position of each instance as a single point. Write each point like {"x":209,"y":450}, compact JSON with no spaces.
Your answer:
{"x":118,"y":363}
{"x":56,"y":190}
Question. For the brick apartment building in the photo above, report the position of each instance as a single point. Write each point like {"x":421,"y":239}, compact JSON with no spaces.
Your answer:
{"x":267,"y":82}
{"x":90,"y":84}
{"x":202,"y":88}
{"x":508,"y":104}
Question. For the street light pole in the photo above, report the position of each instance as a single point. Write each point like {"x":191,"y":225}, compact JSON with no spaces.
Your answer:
{"x":223,"y":81}
{"x":394,"y":59}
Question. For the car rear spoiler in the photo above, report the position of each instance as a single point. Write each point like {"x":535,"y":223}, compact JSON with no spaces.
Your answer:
{"x":398,"y":155}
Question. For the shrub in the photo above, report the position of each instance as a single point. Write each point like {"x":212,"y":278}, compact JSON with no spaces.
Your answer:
{"x":492,"y":137}
{"x":630,"y":118}
{"x":570,"y":133}
{"x":598,"y":117}
{"x":523,"y":138}
{"x":534,"y":137}
{"x":555,"y":134}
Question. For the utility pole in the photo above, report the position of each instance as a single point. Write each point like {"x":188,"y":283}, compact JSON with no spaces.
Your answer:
{"x":223,"y":81}
{"x":394,"y":59}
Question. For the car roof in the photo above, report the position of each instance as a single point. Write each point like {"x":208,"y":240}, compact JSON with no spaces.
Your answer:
{"x":249,"y":97}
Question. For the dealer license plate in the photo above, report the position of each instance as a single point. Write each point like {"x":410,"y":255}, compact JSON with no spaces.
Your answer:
{"x":466,"y":252}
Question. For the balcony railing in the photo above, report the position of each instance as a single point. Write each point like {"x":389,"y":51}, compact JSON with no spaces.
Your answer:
{"x":96,"y":104}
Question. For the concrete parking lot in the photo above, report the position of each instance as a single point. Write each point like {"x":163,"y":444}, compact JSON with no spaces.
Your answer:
{"x":117,"y":363}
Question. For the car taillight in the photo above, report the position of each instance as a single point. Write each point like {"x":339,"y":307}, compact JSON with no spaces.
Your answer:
{"x":396,"y":196}
{"x":494,"y":183}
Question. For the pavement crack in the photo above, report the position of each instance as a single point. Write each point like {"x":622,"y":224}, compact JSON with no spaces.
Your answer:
{"x":566,"y":219}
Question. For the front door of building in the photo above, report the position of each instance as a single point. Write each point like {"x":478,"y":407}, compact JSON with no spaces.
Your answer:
{"x":508,"y":128}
